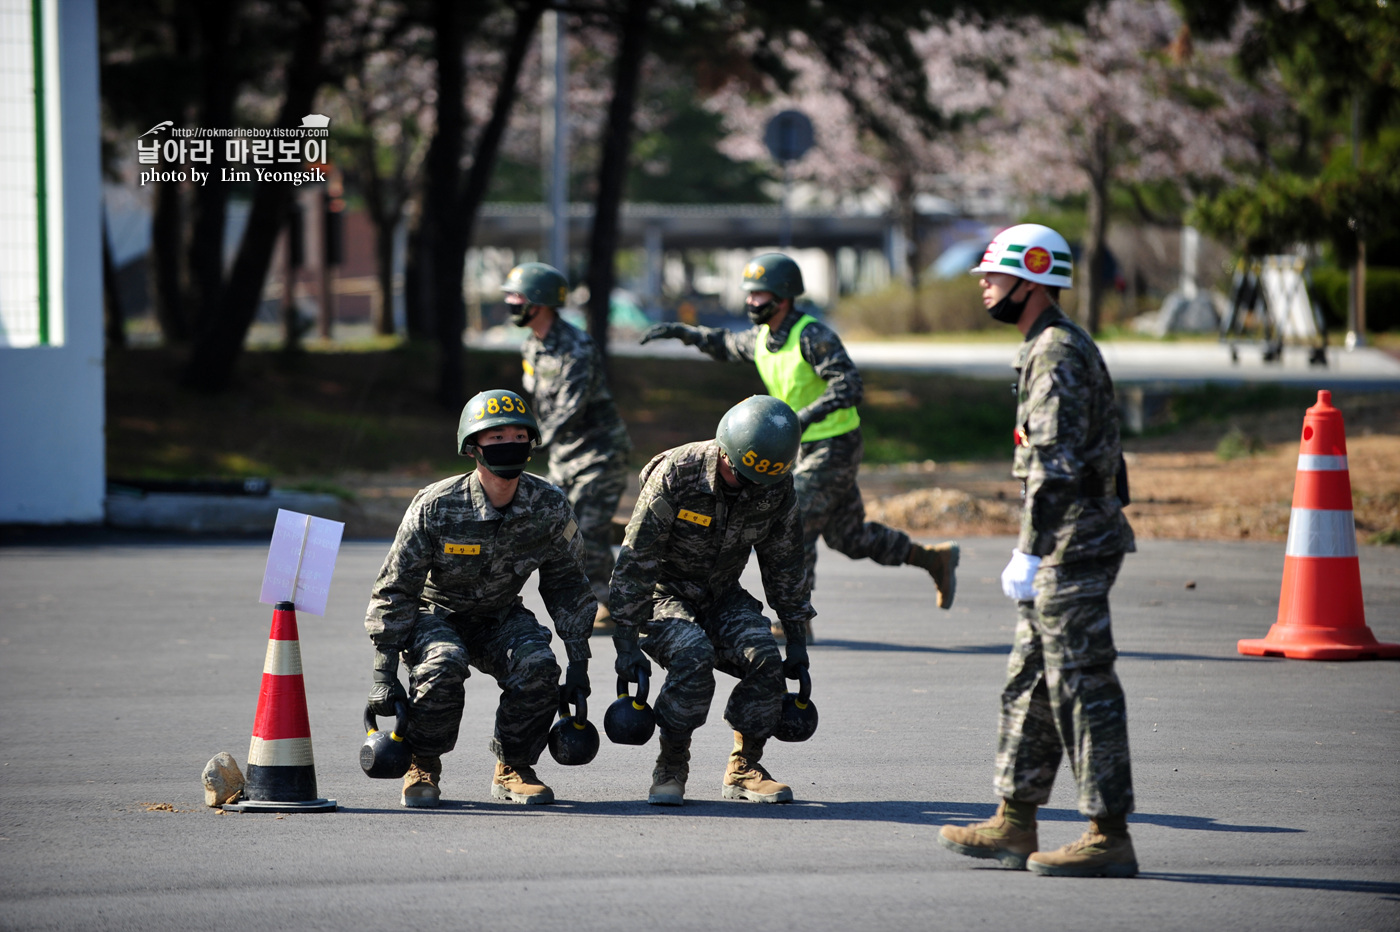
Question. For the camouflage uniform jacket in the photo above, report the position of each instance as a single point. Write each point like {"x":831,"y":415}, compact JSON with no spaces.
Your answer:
{"x":820,"y":347}
{"x":578,"y":420}
{"x":457,"y":554}
{"x":1067,"y":446}
{"x":689,"y":541}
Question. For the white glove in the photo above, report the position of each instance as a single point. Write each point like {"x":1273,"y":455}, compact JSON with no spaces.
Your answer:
{"x":1018,"y":577}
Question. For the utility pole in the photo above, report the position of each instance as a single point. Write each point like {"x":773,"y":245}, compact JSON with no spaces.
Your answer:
{"x":554,"y":142}
{"x":1356,"y":281}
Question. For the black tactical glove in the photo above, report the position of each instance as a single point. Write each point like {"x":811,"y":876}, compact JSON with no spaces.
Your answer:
{"x":575,"y":686}
{"x":386,"y":690}
{"x":684,"y":332}
{"x":796,"y":660}
{"x":629,"y":654}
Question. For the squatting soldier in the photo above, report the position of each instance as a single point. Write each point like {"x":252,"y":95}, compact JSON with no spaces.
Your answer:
{"x":802,"y":361}
{"x":676,"y":593}
{"x":448,"y":599}
{"x":1061,"y":694}
{"x":579,"y":423}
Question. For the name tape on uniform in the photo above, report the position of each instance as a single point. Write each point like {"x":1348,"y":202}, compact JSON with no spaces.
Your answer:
{"x":693,"y":518}
{"x":469,"y":550}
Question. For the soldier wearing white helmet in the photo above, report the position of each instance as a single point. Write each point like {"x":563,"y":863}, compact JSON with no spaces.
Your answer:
{"x":1062,"y":694}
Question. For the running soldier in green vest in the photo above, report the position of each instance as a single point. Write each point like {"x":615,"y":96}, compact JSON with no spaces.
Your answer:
{"x":1062,"y":696}
{"x":579,"y":423}
{"x":802,"y":361}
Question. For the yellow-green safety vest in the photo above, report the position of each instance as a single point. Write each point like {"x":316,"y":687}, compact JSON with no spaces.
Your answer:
{"x":790,"y":377}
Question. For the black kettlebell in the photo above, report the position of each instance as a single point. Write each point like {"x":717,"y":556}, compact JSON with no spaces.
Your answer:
{"x":386,"y":757}
{"x":573,"y":741}
{"x":630,"y":720}
{"x":798,"y":720}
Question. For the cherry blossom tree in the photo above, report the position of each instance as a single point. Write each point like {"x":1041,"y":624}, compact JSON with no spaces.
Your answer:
{"x":1050,"y":110}
{"x":1129,"y":99}
{"x":383,"y":106}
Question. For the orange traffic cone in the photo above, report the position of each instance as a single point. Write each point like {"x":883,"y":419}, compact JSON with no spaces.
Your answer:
{"x":281,"y":773}
{"x":1320,"y":613}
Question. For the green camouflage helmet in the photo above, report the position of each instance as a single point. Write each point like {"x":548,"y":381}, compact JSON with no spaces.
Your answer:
{"x":760,"y":437}
{"x":773,"y":272}
{"x":539,"y":283}
{"x":497,"y":407}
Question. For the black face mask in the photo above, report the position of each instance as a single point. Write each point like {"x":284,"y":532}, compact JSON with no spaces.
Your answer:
{"x":1008,"y":311}
{"x":761,"y":313}
{"x":522,"y":314}
{"x":506,"y":460}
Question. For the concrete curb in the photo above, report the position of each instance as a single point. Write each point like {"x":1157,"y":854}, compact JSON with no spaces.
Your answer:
{"x":214,"y":514}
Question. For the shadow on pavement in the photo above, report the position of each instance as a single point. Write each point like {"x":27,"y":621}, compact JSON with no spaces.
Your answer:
{"x":839,"y":644}
{"x":978,"y":812}
{"x":1299,"y":883}
{"x":1003,"y":649}
{"x":907,"y":812}
{"x":1149,"y":655}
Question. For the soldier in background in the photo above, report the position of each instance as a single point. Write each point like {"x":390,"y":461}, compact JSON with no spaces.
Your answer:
{"x":1062,"y":694}
{"x":802,"y":362}
{"x":676,"y":594}
{"x":448,"y":599}
{"x":578,"y":421}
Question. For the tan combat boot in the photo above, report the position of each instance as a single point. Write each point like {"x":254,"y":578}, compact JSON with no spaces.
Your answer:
{"x":1105,"y":850}
{"x":747,"y":779}
{"x":941,"y":561}
{"x":520,"y":785}
{"x":420,"y":784}
{"x":998,"y":837}
{"x":672,"y":769}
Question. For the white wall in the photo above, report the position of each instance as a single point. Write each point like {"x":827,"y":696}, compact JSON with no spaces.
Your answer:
{"x":52,"y":450}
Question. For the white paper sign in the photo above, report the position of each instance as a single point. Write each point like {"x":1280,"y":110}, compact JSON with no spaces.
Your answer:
{"x":301,"y":560}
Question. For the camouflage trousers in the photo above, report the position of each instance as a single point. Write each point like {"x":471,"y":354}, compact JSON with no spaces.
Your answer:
{"x":1062,"y":695}
{"x":594,"y":493}
{"x":731,"y":636}
{"x":832,"y":508}
{"x":514,"y":651}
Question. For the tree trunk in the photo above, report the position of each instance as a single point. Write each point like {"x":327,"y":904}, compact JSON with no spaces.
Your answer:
{"x":382,"y":312}
{"x":210,"y":201}
{"x":113,"y":317}
{"x":211,"y":362}
{"x":908,"y":219}
{"x":417,"y":322}
{"x":384,"y":203}
{"x":1090,"y":311}
{"x":165,"y":264}
{"x":489,"y":143}
{"x":443,"y":304}
{"x":612,"y":173}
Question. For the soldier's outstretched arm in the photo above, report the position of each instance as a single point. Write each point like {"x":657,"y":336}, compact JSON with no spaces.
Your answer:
{"x":716,"y":342}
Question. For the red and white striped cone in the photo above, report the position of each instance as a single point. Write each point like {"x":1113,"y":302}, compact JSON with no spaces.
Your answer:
{"x":281,"y":775}
{"x":1320,"y":610}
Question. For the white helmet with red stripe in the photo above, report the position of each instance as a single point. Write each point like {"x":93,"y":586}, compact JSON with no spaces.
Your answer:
{"x":1030,"y":251}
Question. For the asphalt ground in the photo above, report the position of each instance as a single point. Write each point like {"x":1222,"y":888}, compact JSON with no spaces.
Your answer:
{"x":1267,"y":789}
